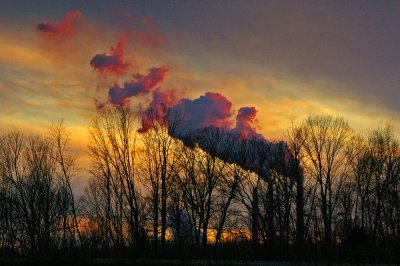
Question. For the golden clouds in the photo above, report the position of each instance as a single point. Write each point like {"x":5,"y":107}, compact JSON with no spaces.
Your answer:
{"x":15,"y":55}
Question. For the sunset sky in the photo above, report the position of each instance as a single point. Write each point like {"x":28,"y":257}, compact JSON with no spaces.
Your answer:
{"x":288,"y":59}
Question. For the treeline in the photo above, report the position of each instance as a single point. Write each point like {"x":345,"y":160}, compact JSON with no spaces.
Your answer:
{"x":323,"y":192}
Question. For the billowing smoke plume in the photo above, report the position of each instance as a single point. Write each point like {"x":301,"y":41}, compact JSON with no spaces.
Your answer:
{"x":207,"y":121}
{"x":67,"y":27}
{"x":161,"y":102}
{"x":212,"y":109}
{"x":112,"y":62}
{"x":139,"y":85}
{"x":245,"y":122}
{"x":163,"y":99}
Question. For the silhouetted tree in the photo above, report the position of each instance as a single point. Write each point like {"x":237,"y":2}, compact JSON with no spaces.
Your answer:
{"x":34,"y":192}
{"x":326,"y":160}
{"x":113,"y":197}
{"x":160,"y":160}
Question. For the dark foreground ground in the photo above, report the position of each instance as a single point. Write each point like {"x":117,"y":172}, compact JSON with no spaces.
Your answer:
{"x":160,"y":262}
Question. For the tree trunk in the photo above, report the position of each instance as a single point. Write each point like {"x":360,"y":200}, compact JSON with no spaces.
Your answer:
{"x":299,"y":207}
{"x":254,"y":220}
{"x":155,"y":221}
{"x":224,"y":214}
{"x":163,"y":209}
{"x":270,"y":212}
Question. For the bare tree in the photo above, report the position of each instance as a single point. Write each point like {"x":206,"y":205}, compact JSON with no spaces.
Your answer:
{"x":326,"y":160}
{"x":376,"y":173}
{"x":159,"y":159}
{"x":66,"y":171}
{"x":113,"y":192}
{"x":199,"y":181}
{"x":296,"y":138}
{"x":38,"y":197}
